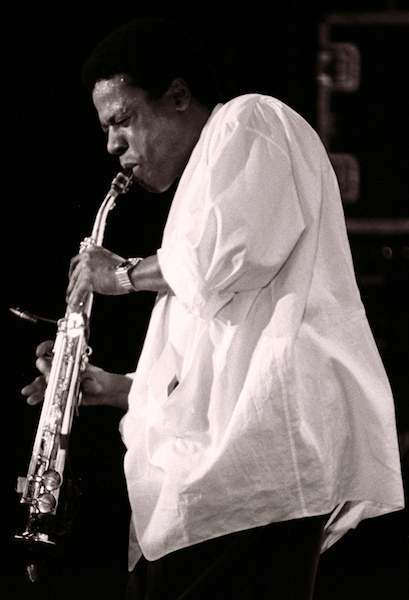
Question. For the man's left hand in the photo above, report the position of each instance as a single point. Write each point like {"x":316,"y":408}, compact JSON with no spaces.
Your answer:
{"x":93,"y":270}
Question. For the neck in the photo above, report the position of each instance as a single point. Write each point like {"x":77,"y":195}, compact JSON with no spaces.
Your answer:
{"x":197,"y":118}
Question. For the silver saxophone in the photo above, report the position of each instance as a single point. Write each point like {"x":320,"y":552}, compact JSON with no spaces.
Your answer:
{"x":40,"y":490}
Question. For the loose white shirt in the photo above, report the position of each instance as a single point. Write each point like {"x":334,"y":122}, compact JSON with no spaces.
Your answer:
{"x":259,"y":395}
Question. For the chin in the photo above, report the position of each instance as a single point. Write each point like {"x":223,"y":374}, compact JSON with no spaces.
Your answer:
{"x":154,"y":189}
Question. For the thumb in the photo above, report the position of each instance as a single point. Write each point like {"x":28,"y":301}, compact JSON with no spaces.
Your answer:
{"x":90,"y":385}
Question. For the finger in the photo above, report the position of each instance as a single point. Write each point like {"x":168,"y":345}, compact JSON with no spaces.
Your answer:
{"x":35,"y":390}
{"x":79,"y":292}
{"x":74,"y":300}
{"x":74,"y":274}
{"x":37,"y":385}
{"x":44,"y":365}
{"x":73,"y":263}
{"x":35,"y":398}
{"x":45,"y":348}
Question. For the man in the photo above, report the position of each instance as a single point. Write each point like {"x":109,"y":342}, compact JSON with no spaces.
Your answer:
{"x":260,"y":424}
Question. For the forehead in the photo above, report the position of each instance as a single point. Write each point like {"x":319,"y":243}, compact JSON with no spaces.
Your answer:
{"x":115,"y":96}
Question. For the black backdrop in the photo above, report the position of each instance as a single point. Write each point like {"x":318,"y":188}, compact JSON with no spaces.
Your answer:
{"x":55,"y":174}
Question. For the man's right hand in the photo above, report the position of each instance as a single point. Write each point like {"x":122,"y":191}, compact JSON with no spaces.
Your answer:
{"x":35,"y":390}
{"x":98,"y":387}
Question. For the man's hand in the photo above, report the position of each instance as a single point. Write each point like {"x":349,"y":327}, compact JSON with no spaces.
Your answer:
{"x":93,"y":270}
{"x":35,"y":390}
{"x":98,"y":387}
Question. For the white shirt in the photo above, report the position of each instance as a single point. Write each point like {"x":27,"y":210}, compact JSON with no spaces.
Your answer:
{"x":259,"y":395}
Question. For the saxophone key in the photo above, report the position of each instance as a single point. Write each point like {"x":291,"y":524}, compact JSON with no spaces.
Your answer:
{"x":51,"y":480}
{"x":46,"y":503}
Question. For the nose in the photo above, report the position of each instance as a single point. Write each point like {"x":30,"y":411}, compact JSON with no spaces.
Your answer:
{"x":116,"y":144}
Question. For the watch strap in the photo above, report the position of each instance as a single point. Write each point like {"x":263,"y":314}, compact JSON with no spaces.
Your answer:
{"x":122,"y":273}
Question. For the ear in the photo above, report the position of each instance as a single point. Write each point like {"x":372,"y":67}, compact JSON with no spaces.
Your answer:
{"x":179,"y":93}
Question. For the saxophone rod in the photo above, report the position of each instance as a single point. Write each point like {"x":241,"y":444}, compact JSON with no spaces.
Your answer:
{"x":30,"y":317}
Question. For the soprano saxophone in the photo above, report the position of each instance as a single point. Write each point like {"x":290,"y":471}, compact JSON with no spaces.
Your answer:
{"x":40,"y":490}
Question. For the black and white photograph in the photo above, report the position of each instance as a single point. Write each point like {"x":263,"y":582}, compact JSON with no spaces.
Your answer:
{"x":205,"y":300}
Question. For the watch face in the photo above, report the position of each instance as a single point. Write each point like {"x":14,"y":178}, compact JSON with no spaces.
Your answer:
{"x":123,"y":266}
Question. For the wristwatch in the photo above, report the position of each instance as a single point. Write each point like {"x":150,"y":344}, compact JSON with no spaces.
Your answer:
{"x":122,"y":273}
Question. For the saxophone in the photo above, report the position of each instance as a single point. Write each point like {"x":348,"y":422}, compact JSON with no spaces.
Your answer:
{"x":40,"y":490}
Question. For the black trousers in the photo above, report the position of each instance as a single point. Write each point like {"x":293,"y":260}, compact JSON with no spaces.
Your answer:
{"x":276,"y":562}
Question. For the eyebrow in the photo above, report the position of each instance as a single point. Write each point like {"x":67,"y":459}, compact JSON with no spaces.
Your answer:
{"x":106,"y":123}
{"x":118,"y":115}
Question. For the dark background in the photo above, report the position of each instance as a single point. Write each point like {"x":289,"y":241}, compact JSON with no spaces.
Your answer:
{"x":54,"y":176}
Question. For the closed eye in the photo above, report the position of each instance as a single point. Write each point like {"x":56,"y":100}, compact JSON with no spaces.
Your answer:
{"x":122,"y":123}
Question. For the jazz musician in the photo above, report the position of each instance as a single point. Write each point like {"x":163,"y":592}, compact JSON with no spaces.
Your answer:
{"x":259,"y":423}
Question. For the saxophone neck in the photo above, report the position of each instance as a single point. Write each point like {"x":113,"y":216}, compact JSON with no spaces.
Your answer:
{"x":119,"y":185}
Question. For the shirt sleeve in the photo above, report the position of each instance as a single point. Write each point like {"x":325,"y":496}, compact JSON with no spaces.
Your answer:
{"x":238,"y":226}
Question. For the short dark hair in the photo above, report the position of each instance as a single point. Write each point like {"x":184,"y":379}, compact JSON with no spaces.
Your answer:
{"x":153,"y":52}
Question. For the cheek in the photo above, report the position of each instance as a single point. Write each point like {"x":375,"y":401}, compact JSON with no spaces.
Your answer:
{"x":146,"y":148}
{"x":158,"y":155}
{"x":136,"y":144}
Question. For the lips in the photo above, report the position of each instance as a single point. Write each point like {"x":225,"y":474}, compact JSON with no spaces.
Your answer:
{"x":134,"y":168}
{"x":137,"y":179}
{"x":129,"y":166}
